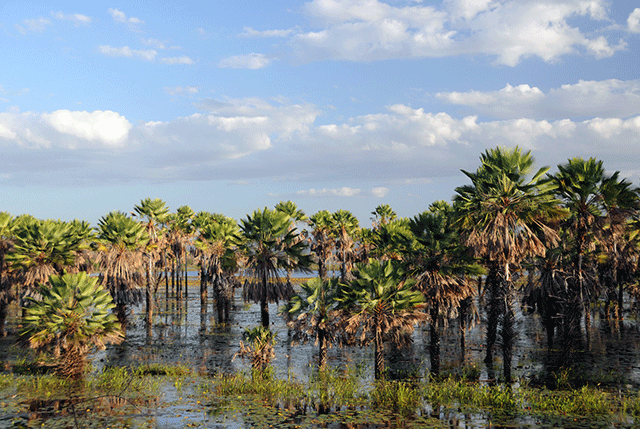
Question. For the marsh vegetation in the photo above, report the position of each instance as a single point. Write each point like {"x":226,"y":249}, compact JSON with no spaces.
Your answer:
{"x":516,"y":304}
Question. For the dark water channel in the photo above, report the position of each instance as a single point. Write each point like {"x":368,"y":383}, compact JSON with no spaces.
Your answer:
{"x":185,"y":333}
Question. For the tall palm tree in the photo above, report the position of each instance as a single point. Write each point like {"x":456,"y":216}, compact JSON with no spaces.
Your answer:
{"x":345,"y":226}
{"x":442,"y":270}
{"x":621,"y":203}
{"x":313,"y":313}
{"x":121,"y":244}
{"x":180,"y":234}
{"x":153,"y":213}
{"x":504,"y":216}
{"x":295,"y":215}
{"x":582,"y":186}
{"x":382,"y":215}
{"x":321,"y":243}
{"x":217,"y":241}
{"x":269,"y":245}
{"x":380,"y":305}
{"x":390,"y":240}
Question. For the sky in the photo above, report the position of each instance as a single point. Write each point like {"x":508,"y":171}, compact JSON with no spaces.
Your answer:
{"x":231,"y":106}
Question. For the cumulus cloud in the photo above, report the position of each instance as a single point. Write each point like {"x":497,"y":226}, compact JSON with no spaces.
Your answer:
{"x":250,"y":61}
{"x":256,"y":139}
{"x":107,"y":127}
{"x":611,"y":97}
{"x":125,"y":51}
{"x":508,"y":30}
{"x":633,"y":22}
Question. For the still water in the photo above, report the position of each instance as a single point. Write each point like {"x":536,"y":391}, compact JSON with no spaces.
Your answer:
{"x":184,"y":332}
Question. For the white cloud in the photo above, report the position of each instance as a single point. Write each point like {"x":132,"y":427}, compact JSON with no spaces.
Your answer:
{"x":338,"y":192}
{"x":125,"y":51}
{"x":119,"y":16}
{"x":107,"y":127}
{"x":76,"y":18}
{"x":633,"y":22}
{"x":278,"y":139}
{"x":250,"y":32}
{"x":177,"y":60}
{"x":37,"y":25}
{"x":250,"y":61}
{"x":158,"y":44}
{"x":610,"y":97}
{"x":180,"y":90}
{"x":380,"y":192}
{"x":509,"y":30}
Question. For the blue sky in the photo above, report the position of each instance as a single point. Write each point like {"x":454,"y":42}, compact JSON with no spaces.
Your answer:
{"x":232,"y":106}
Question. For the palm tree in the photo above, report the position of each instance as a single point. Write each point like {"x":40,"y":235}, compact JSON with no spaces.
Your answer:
{"x":153,"y":213}
{"x":313,"y":313}
{"x":72,"y":316}
{"x":269,"y":245}
{"x":217,"y":241}
{"x":321,"y":243}
{"x":382,"y":215}
{"x":441,"y":267}
{"x":295,"y":215}
{"x":390,"y":240}
{"x":6,"y":244}
{"x":380,"y":305}
{"x":259,"y":350}
{"x":181,"y":231}
{"x":121,"y":244}
{"x":345,"y":226}
{"x":43,"y":248}
{"x":621,"y":204}
{"x":582,"y":187}
{"x":504,"y":218}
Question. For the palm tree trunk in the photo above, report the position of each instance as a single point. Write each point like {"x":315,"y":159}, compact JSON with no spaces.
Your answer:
{"x":264,"y":307}
{"x":464,"y":311}
{"x":149,"y":296}
{"x":322,"y":343}
{"x":434,"y":343}
{"x":508,"y":333}
{"x":493,"y":312}
{"x":379,"y":356}
{"x":186,"y":277}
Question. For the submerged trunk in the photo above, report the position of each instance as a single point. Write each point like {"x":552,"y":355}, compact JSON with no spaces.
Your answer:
{"x":322,"y":343}
{"x":379,"y":357}
{"x":434,"y":344}
{"x":508,"y":333}
{"x":264,"y":307}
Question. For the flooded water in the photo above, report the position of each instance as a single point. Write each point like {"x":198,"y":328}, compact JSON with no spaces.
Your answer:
{"x":184,"y":332}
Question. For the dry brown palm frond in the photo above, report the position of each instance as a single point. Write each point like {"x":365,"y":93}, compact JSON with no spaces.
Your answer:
{"x":363,"y":327}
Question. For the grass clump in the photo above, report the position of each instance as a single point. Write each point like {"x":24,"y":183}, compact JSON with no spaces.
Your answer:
{"x":397,"y":397}
{"x":163,"y":369}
